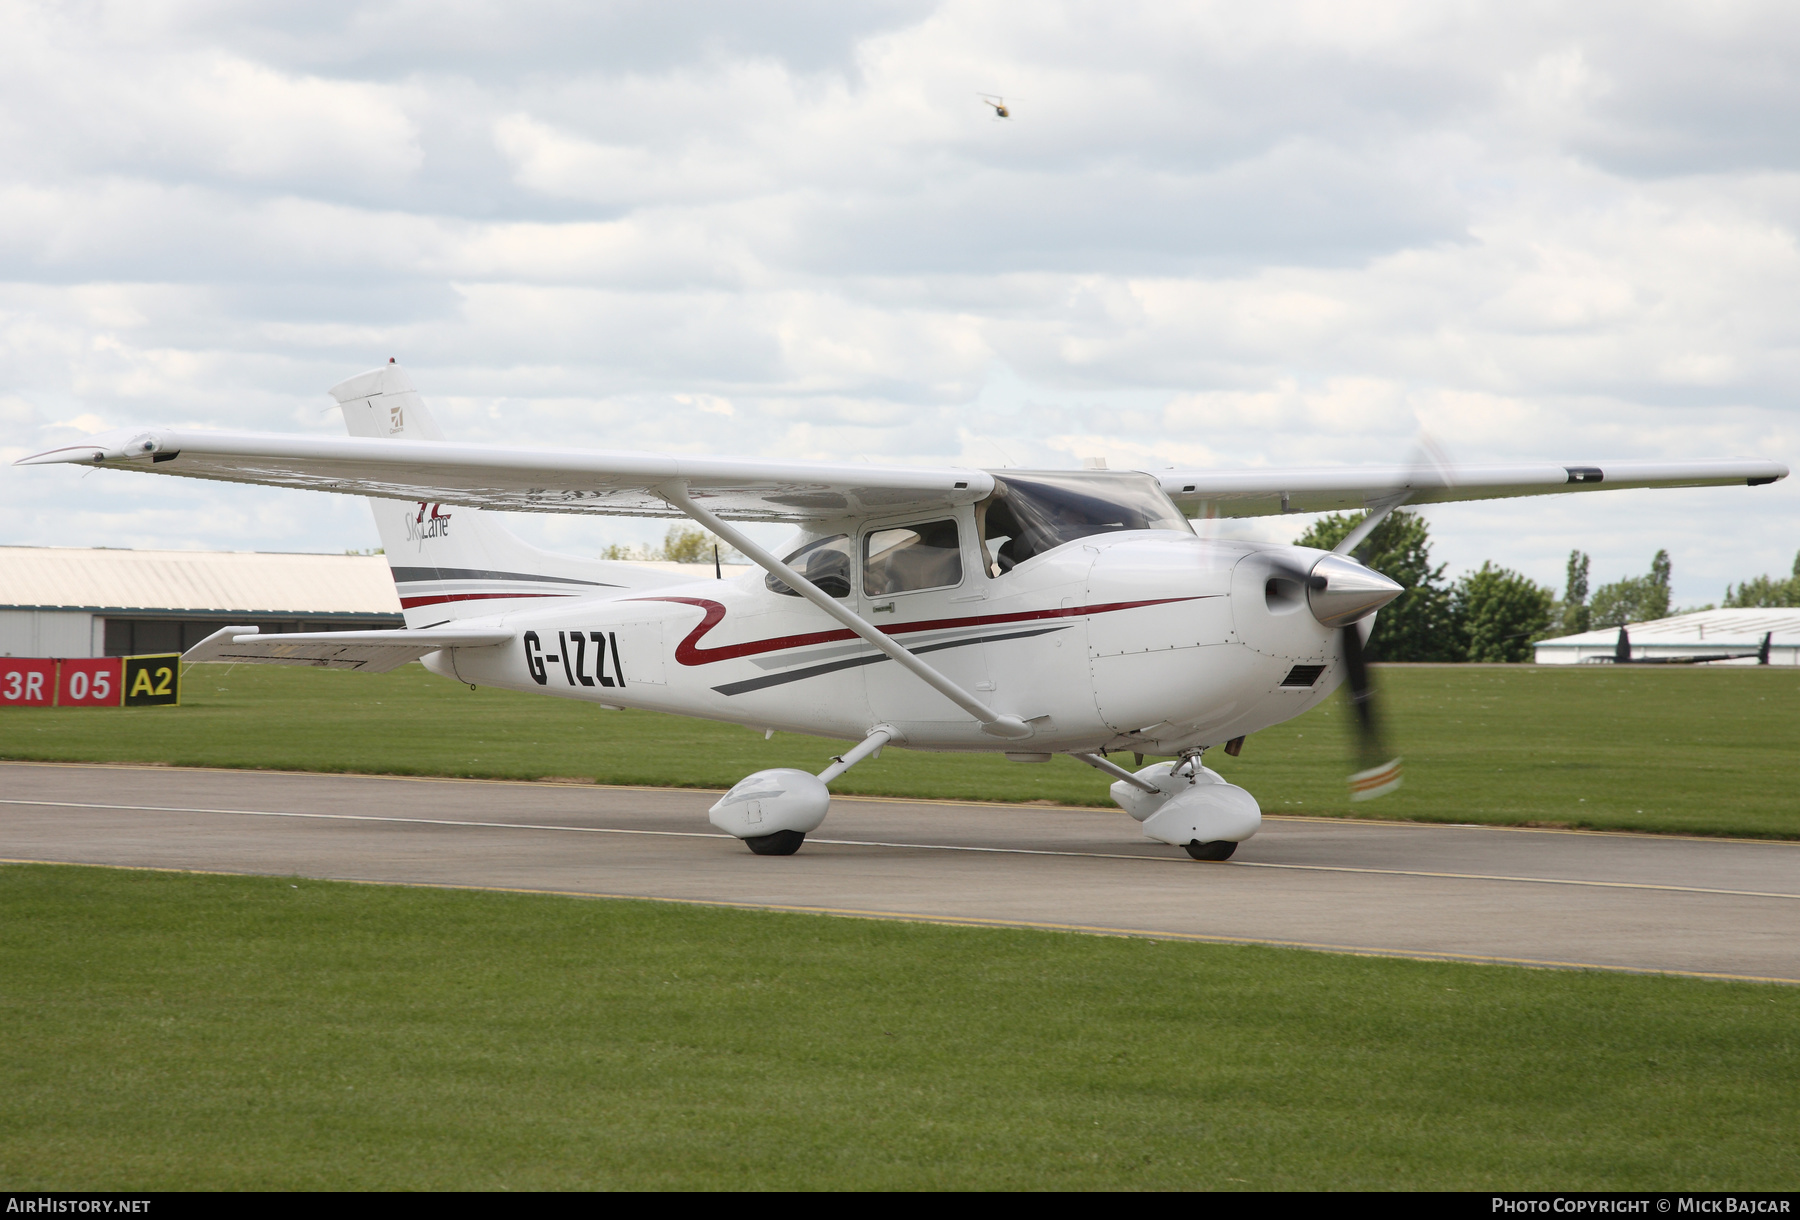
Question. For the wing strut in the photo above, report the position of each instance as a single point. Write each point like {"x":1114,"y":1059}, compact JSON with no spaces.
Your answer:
{"x":992,"y":723}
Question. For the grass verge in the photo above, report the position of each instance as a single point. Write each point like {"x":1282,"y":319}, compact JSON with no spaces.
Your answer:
{"x":180,"y":1031}
{"x":1667,"y":748}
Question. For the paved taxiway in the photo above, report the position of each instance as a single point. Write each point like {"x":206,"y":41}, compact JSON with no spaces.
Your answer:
{"x":1633,"y":902}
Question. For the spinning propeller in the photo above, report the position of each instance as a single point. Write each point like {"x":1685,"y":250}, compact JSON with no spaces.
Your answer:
{"x":1342,"y":593}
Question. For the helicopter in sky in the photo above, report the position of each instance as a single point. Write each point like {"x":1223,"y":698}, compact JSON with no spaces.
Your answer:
{"x":1001,"y":110}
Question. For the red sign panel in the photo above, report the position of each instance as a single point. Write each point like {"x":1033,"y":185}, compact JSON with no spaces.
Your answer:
{"x":27,"y":682}
{"x":95,"y":683}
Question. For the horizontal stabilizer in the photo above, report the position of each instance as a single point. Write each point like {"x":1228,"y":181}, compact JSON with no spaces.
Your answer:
{"x":372,"y":652}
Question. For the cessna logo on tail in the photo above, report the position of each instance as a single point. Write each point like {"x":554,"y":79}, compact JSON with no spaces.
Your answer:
{"x":429,"y":522}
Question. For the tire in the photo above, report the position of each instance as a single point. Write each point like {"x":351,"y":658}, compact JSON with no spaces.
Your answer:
{"x":1218,"y":850}
{"x":782,"y":843}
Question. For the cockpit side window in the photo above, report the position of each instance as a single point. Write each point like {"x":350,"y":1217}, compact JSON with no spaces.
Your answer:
{"x":926,"y":556}
{"x":824,"y":561}
{"x":1029,"y":514}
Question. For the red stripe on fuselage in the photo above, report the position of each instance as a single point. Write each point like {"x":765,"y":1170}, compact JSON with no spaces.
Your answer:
{"x":407,"y":603}
{"x":689,"y":652}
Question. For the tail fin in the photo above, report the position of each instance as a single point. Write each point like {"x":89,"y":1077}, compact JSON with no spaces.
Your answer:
{"x":451,"y":562}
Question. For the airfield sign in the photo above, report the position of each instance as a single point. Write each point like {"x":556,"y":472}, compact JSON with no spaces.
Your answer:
{"x":146,"y":681}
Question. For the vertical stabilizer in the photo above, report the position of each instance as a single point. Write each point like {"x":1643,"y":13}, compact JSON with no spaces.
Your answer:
{"x":454,"y":562}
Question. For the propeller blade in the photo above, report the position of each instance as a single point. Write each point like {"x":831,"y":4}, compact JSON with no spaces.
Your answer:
{"x":1378,"y":772}
{"x":1428,"y":465}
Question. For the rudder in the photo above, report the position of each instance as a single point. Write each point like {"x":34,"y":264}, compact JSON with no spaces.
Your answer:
{"x":451,"y":561}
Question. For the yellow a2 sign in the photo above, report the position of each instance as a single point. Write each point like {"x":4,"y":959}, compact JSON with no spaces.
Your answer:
{"x":153,"y":680}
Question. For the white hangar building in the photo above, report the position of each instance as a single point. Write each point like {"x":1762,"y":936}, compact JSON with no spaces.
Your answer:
{"x":1705,"y":633}
{"x":67,"y":602}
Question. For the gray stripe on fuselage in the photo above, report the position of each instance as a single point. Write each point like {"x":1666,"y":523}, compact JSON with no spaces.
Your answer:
{"x":750,"y":684}
{"x":923,"y":640}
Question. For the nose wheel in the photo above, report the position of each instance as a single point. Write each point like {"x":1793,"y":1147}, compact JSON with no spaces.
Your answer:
{"x":1218,"y":850}
{"x":785,"y":843}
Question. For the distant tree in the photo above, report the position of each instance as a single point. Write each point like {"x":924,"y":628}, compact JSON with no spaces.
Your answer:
{"x":682,"y":544}
{"x":1766,"y":591}
{"x":1636,"y":599}
{"x":1572,"y":613}
{"x":1499,"y":614}
{"x":1417,"y":625}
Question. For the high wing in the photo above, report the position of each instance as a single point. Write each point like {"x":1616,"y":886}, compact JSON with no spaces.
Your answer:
{"x":1324,"y":489}
{"x":627,"y":483}
{"x":609,"y":482}
{"x":373,"y":652}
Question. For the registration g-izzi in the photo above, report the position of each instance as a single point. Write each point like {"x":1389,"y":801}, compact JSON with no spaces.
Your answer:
{"x":1030,"y":613}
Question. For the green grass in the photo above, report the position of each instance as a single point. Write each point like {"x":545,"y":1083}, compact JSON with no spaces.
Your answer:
{"x":170,"y":1031}
{"x":1666,"y":749}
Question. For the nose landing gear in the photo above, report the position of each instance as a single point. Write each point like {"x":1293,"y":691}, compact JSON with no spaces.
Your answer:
{"x":1185,"y":805}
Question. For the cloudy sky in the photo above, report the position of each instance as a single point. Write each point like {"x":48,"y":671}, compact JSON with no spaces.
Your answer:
{"x":1213,"y":233}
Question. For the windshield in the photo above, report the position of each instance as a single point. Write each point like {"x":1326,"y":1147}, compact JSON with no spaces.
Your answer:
{"x":1029,"y":514}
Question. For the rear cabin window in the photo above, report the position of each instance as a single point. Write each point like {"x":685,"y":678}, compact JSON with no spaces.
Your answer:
{"x":1029,"y":514}
{"x":825,"y":562}
{"x":927,"y":556}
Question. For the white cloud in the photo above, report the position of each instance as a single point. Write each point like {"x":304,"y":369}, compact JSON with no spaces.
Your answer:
{"x":1214,"y":233}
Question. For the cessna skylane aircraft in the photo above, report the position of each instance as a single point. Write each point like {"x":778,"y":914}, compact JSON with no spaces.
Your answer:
{"x":1031,"y":613}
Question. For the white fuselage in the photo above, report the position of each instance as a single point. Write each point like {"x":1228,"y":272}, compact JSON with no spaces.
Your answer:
{"x":1149,"y":640}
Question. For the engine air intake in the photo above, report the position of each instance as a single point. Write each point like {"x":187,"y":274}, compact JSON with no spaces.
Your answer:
{"x":1303,"y":675}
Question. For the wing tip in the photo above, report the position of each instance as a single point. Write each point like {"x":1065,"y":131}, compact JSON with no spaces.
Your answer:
{"x":65,"y":453}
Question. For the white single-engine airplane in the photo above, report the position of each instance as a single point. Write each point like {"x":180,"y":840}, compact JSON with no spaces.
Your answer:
{"x":1026,"y":612}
